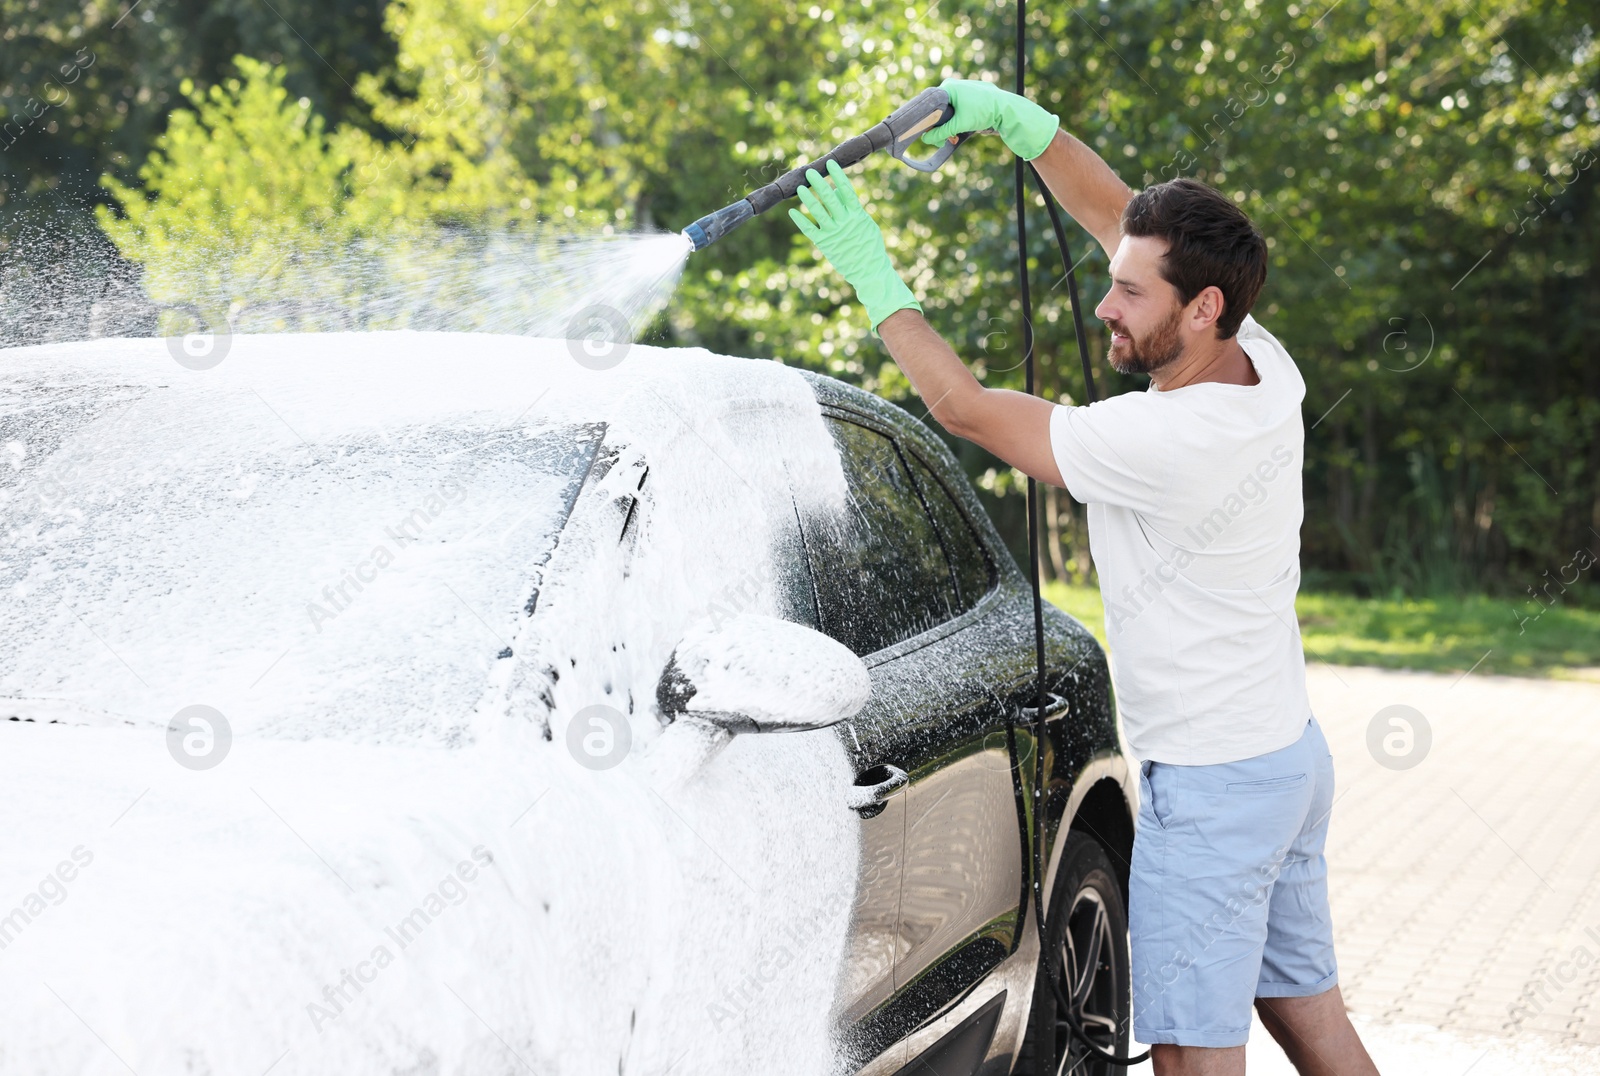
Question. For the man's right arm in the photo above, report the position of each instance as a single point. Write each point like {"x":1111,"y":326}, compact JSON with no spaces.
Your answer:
{"x":1086,"y":187}
{"x":1083,"y":183}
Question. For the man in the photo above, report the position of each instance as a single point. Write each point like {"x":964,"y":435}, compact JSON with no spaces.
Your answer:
{"x":1194,"y":502}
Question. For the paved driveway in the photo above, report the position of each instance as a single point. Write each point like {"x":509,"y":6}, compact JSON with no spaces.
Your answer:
{"x":1465,"y":886}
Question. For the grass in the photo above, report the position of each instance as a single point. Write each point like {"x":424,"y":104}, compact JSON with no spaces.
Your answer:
{"x":1432,"y":634}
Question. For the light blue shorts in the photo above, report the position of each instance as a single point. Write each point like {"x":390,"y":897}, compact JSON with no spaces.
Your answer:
{"x":1228,"y":895}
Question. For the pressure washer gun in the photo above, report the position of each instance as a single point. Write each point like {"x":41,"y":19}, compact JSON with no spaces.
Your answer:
{"x":922,"y":113}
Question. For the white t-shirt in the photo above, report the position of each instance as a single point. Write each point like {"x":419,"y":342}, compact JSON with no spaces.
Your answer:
{"x":1194,"y":525}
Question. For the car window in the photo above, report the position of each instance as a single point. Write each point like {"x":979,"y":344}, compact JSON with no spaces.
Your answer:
{"x":880,"y":570}
{"x":968,"y":560}
{"x":793,"y":594}
{"x":780,"y":582}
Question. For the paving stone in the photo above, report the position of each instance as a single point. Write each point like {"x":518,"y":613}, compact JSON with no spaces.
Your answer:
{"x":1463,"y":883}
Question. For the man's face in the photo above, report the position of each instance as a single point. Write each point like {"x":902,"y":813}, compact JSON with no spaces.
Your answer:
{"x":1141,"y":309}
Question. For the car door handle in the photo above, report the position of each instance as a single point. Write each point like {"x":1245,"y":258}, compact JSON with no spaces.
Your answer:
{"x":873,"y":788}
{"x":1055,"y":705}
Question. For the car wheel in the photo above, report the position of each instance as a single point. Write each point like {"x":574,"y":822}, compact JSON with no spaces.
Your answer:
{"x":1088,"y":935}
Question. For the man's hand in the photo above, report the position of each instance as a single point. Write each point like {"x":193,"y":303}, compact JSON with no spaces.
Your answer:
{"x":982,"y":106}
{"x":852,"y":241}
{"x":1082,"y":182}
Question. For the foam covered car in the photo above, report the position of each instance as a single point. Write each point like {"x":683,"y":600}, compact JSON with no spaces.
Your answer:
{"x":430,"y":702}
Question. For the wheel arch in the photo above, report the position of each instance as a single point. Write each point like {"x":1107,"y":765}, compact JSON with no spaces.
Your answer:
{"x":1101,"y":808}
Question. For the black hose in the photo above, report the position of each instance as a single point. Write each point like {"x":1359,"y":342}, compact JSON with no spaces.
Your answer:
{"x":1090,"y":394}
{"x":1044,"y":1051}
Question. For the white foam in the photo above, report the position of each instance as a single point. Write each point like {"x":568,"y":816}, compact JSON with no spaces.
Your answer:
{"x":772,"y":672}
{"x":626,"y":909}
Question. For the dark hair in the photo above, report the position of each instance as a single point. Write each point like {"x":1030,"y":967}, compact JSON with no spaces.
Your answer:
{"x":1210,"y":241}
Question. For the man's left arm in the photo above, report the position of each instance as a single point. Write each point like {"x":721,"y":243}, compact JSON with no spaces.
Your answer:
{"x":1011,"y":425}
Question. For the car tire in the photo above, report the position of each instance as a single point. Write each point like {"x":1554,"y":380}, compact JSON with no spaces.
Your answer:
{"x":1088,"y":921}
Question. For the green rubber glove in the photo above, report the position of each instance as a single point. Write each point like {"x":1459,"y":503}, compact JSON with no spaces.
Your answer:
{"x":982,"y":106}
{"x":852,"y":242}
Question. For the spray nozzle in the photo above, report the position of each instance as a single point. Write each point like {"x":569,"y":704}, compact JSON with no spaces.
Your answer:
{"x":897,"y":134}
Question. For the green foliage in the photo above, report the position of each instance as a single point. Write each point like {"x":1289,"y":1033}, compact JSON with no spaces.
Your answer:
{"x":1542,"y":637}
{"x":229,"y":182}
{"x":1423,"y":174}
{"x":245,"y":160}
{"x":134,"y":59}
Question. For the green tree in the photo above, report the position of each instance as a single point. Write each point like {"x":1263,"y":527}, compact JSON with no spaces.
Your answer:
{"x":131,"y":60}
{"x":1423,"y":176}
{"x":227,"y":183}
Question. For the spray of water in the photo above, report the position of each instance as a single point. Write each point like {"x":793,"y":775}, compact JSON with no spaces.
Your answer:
{"x":439,"y":278}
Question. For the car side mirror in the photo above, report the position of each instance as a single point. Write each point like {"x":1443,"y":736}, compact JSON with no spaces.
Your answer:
{"x":754,"y":673}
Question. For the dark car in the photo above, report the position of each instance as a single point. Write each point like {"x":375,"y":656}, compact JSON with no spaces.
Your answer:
{"x":467,"y":583}
{"x":944,"y":956}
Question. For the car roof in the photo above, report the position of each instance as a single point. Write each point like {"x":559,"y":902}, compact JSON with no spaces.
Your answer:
{"x":330,"y":384}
